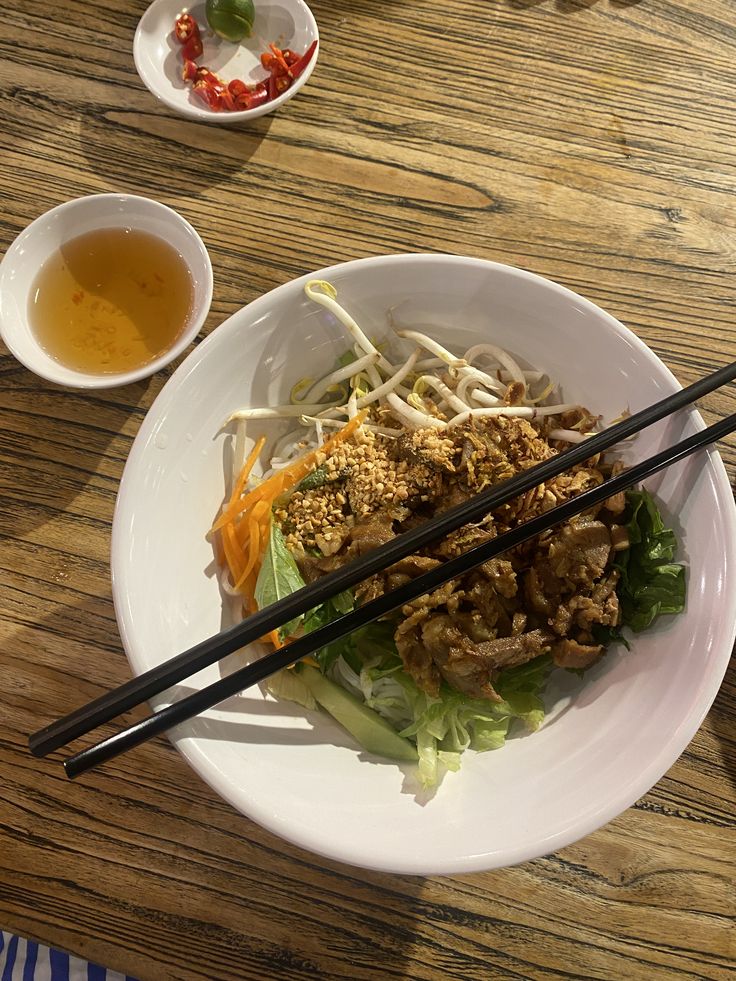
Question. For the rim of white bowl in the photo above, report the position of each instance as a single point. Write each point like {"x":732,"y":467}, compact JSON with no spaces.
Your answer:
{"x":204,"y":114}
{"x":69,"y":377}
{"x":303,"y":837}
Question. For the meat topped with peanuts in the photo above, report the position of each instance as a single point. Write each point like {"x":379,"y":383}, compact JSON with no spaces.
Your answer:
{"x":550,"y":595}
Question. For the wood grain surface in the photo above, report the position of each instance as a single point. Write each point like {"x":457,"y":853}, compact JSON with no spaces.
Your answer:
{"x":591,"y":141}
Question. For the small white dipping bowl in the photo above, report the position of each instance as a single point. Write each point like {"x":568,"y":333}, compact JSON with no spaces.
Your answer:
{"x":52,"y":230}
{"x":157,"y":54}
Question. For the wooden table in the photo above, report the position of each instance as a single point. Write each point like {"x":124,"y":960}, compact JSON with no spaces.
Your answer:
{"x":591,"y":142}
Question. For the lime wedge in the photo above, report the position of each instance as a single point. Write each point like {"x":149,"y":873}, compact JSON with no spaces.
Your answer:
{"x":231,"y":19}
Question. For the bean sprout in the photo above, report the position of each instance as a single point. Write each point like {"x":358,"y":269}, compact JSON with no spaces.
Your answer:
{"x":543,"y":395}
{"x":501,"y":356}
{"x":429,"y":381}
{"x":478,"y":395}
{"x":333,"y":423}
{"x":438,"y":391}
{"x":431,"y":345}
{"x":555,"y":410}
{"x":387,"y":387}
{"x":277,"y":412}
{"x":353,"y":404}
{"x":531,"y":377}
{"x":286,"y":441}
{"x":429,"y":363}
{"x":483,"y":378}
{"x":568,"y":435}
{"x":320,"y":388}
{"x":522,"y":411}
{"x":325,"y":294}
{"x":413,"y":417}
{"x":226,"y":585}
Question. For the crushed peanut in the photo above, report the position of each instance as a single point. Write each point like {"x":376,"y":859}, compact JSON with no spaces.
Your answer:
{"x":372,"y":472}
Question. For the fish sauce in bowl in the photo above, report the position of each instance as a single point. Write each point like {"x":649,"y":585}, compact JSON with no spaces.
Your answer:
{"x":111,"y":300}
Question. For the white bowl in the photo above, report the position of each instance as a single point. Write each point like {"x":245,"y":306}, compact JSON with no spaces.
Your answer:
{"x":286,"y":23}
{"x":607,"y":738}
{"x":53,"y":229}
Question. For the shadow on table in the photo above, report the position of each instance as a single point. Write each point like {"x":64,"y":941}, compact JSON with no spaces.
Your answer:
{"x":141,"y":153}
{"x":67,"y":432}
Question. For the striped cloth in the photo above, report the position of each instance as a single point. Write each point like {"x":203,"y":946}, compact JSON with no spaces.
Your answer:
{"x":24,"y":960}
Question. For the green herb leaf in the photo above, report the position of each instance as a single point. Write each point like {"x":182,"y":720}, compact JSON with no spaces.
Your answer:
{"x":326,"y":613}
{"x":278,"y":577}
{"x":314,"y":479}
{"x":528,"y":678}
{"x":651,"y":583}
{"x":605,"y":635}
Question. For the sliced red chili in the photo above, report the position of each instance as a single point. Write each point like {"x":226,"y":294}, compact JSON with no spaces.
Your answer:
{"x":185,"y":27}
{"x":227,"y":99}
{"x":208,"y":94}
{"x":252,"y":98}
{"x":190,"y":71}
{"x":236,"y":87}
{"x":283,"y":66}
{"x":257,"y":97}
{"x":192,"y":49}
{"x":280,"y":60}
{"x":298,"y":67}
{"x":205,"y":75}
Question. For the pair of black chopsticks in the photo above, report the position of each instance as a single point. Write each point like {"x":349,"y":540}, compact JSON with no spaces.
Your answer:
{"x":145,"y":686}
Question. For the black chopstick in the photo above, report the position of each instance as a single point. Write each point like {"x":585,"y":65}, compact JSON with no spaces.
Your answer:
{"x":167,"y":674}
{"x":198,"y":702}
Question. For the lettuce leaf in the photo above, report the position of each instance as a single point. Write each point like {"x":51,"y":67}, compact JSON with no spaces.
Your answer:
{"x":651,"y":583}
{"x":330,"y":610}
{"x":445,"y":726}
{"x":289,"y":685}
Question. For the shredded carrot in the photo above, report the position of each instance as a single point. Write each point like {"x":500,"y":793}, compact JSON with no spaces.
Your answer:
{"x":248,"y":590}
{"x":245,"y":472}
{"x":245,"y":522}
{"x":255,"y":541}
{"x":230,"y":546}
{"x":276,"y":484}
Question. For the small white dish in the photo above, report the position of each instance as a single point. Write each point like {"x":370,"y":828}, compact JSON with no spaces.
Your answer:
{"x":56,"y":227}
{"x":157,"y":54}
{"x":607,"y":738}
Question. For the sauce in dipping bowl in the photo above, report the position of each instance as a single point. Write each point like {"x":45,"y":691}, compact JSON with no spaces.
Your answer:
{"x":104,"y":290}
